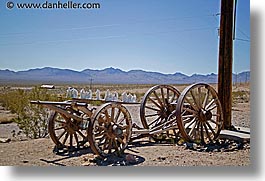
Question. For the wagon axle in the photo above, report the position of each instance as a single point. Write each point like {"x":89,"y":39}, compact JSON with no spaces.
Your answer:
{"x":204,"y":116}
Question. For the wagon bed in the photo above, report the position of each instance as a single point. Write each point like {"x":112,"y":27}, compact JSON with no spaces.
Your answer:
{"x":195,"y":115}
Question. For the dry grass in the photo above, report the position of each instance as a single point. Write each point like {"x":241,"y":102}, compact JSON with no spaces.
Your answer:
{"x":6,"y":118}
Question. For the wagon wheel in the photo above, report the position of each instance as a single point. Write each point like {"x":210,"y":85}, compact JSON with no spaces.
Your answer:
{"x":110,"y":129}
{"x":199,"y":113}
{"x":157,"y":109}
{"x":66,"y":132}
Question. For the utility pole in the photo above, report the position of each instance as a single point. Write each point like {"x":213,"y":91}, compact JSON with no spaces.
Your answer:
{"x":226,"y":60}
{"x":90,"y":87}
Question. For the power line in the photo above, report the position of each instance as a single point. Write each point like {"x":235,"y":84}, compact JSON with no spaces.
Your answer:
{"x":129,"y":22}
{"x":246,"y":36}
{"x":240,"y":39}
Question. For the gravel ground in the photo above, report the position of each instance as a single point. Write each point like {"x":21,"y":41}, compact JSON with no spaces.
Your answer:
{"x":20,"y":151}
{"x":39,"y":152}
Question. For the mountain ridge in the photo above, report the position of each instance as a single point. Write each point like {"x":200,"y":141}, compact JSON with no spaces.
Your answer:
{"x":108,"y":76}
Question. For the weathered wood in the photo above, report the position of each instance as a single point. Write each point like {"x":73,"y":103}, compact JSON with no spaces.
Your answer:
{"x":90,"y":101}
{"x":235,"y":135}
{"x":65,"y":103}
{"x":226,"y":60}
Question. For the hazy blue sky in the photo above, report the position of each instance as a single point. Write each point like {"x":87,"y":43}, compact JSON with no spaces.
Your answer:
{"x":167,"y":36}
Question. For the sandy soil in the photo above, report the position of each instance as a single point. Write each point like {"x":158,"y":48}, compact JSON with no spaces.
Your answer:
{"x":39,"y":152}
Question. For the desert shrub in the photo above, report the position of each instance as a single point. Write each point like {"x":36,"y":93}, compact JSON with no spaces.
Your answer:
{"x":31,"y":119}
{"x":240,"y":96}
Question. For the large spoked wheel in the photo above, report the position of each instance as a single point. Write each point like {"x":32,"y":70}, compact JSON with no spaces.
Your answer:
{"x":199,"y":113}
{"x":157,"y":108}
{"x":66,"y":132}
{"x":110,"y":130}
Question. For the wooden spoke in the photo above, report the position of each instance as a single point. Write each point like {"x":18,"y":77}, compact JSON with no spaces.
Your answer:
{"x":217,"y":115}
{"x":211,"y":108}
{"x":100,"y":134}
{"x":117,"y":115}
{"x":191,"y":122}
{"x":207,"y":132}
{"x":195,"y":100}
{"x":215,"y":122}
{"x":112,"y":114}
{"x":62,"y":127}
{"x":200,"y":97}
{"x":106,"y":144}
{"x":210,"y":127}
{"x":116,"y":147}
{"x":191,"y":104}
{"x":154,"y":103}
{"x":81,"y":134}
{"x":110,"y":145}
{"x":163,"y":96}
{"x":159,"y":121}
{"x":167,"y":94}
{"x":210,"y":103}
{"x":202,"y":133}
{"x":158,"y":99}
{"x":151,"y":115}
{"x":121,"y":141}
{"x":60,"y":136}
{"x":101,"y":140}
{"x":65,"y":138}
{"x":71,"y":140}
{"x":193,"y":128}
{"x":205,"y":101}
{"x":173,"y":97}
{"x":154,"y":121}
{"x":188,"y":116}
{"x":188,"y":120}
{"x":152,"y":108}
{"x":189,"y":110}
{"x":107,"y":116}
{"x":76,"y":139}
{"x":121,"y":120}
{"x":59,"y":121}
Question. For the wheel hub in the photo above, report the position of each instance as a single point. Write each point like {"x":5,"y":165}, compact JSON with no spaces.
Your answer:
{"x":71,"y":127}
{"x":204,"y":115}
{"x":114,"y":131}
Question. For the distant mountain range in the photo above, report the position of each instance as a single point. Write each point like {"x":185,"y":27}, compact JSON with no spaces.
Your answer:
{"x":110,"y":75}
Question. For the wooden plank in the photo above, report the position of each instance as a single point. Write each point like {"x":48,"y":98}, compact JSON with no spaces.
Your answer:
{"x":234,"y":135}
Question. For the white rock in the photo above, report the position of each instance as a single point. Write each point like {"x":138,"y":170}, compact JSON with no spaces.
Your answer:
{"x":5,"y":140}
{"x":72,"y":92}
{"x":129,"y":98}
{"x":90,"y":94}
{"x":83,"y":94}
{"x":124,"y":97}
{"x":134,"y":98}
{"x":98,"y":94}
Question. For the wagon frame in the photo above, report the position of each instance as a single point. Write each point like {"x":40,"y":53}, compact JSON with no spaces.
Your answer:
{"x":195,"y":115}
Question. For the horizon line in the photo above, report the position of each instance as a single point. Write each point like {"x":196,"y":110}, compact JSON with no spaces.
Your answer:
{"x":152,"y":71}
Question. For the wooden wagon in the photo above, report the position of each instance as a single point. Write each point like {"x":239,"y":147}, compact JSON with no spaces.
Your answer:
{"x":195,"y":115}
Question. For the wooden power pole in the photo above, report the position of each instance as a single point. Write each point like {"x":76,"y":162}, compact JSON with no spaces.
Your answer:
{"x":226,"y":60}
